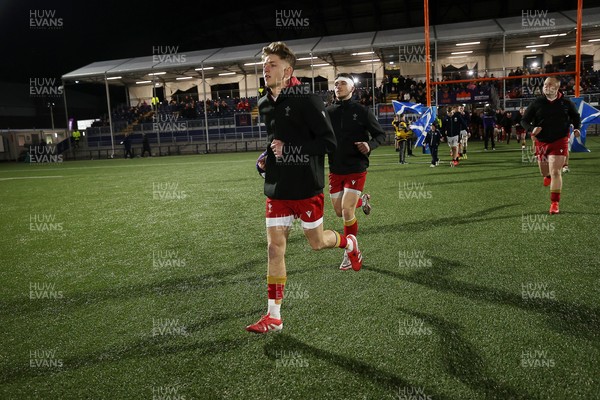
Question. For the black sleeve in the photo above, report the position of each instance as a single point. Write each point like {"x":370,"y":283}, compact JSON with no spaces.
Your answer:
{"x":463,"y":122}
{"x":527,"y":121}
{"x":319,"y":124}
{"x":375,"y":129}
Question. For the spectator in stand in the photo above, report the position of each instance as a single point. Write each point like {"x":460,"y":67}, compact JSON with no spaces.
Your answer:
{"x":224,"y":107}
{"x":395,"y":84}
{"x":562,"y":65}
{"x":548,"y":68}
{"x":240,"y":106}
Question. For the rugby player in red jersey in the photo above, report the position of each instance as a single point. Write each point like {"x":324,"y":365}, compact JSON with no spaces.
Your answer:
{"x":299,"y":136}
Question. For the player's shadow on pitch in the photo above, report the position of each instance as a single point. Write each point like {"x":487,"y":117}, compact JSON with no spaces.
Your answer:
{"x":426,"y":225}
{"x":147,"y":347}
{"x":244,"y":273}
{"x":461,"y":359}
{"x":572,"y":319}
{"x":282,"y":343}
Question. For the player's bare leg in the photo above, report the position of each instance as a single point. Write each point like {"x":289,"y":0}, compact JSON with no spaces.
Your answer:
{"x":345,"y":207}
{"x":555,"y":164}
{"x":325,"y":239}
{"x":565,"y":167}
{"x":349,"y":203}
{"x":276,"y":278}
{"x":276,"y":244}
{"x":454,"y":156}
{"x":545,"y":169}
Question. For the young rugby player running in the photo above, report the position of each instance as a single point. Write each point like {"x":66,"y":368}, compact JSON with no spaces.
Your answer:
{"x":299,"y":135}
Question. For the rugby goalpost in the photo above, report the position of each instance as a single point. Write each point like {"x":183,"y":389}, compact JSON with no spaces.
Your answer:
{"x":429,"y":83}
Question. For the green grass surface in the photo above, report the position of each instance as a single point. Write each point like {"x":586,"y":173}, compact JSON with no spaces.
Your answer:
{"x":438,"y":312}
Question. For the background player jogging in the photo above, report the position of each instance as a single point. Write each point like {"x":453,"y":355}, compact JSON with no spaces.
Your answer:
{"x":357,"y":133}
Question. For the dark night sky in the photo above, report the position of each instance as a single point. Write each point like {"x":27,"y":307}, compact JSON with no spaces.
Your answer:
{"x":96,"y":30}
{"x":99,"y":30}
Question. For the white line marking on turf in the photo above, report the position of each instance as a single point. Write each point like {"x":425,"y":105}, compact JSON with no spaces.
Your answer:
{"x":199,"y":162}
{"x":30,"y":177}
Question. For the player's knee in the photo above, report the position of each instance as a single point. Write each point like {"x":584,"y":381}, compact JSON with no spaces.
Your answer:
{"x":338,"y":211}
{"x":275,"y":250}
{"x":555,"y":173}
{"x":347,"y":213}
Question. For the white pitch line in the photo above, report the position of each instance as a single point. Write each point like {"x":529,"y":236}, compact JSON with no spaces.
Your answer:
{"x":31,"y":177}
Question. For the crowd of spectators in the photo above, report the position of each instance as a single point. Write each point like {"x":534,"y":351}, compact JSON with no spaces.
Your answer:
{"x":408,"y":89}
{"x":398,"y":87}
{"x":185,"y":108}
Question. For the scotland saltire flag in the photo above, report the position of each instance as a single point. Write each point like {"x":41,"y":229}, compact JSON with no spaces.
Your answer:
{"x":589,"y":115}
{"x":421,"y":126}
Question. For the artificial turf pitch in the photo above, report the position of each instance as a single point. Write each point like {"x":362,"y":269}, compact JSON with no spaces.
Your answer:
{"x":134,"y":279}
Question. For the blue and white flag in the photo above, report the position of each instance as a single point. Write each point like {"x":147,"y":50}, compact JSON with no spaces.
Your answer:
{"x":404,"y":107}
{"x":589,"y":115}
{"x":421,"y":126}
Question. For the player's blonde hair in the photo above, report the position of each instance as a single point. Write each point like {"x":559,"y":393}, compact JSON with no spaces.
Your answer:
{"x":282,"y":51}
